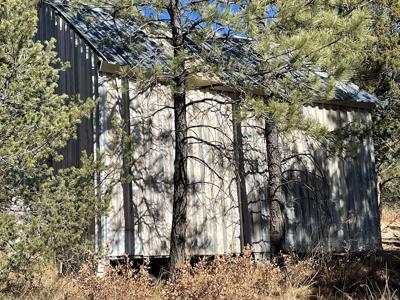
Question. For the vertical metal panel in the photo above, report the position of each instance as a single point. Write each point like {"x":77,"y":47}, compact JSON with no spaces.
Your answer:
{"x":102,"y":238}
{"x":254,"y":148}
{"x":340,"y":217}
{"x":152,"y":171}
{"x":373,"y":236}
{"x":322,"y":195}
{"x":213,"y":223}
{"x":77,"y":79}
{"x":114,"y":222}
{"x":83,"y":88}
{"x":215,"y":228}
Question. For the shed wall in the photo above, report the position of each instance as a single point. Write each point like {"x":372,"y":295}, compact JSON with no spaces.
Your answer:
{"x":331,"y":201}
{"x":331,"y":198}
{"x":214,"y":222}
{"x":79,"y":79}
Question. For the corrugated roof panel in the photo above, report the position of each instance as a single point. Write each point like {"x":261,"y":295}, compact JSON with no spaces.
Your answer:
{"x":122,"y":42}
{"x":118,"y":41}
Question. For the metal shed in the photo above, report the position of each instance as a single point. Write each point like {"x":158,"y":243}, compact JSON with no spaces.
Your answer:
{"x":337,"y":211}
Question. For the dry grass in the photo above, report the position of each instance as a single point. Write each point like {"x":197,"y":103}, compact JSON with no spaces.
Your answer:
{"x":328,"y":277}
{"x":375,"y":276}
{"x":390,"y":216}
{"x":390,"y":228}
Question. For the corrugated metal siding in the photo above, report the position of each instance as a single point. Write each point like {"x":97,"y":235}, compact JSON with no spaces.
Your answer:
{"x":152,"y":172}
{"x":214,"y":223}
{"x":255,"y":168}
{"x":80,"y":78}
{"x":331,"y":201}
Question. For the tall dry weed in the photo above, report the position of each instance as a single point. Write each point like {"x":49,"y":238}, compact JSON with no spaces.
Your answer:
{"x":229,"y":277}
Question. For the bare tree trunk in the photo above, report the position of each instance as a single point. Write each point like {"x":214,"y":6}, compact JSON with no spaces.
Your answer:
{"x":127,"y":166}
{"x":179,"y":213}
{"x":277,"y":225}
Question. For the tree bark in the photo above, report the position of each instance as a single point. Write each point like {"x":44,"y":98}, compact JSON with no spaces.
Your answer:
{"x":277,"y":225}
{"x":127,"y":167}
{"x":179,"y":213}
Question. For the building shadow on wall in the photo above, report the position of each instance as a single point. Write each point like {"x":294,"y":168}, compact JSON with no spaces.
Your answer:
{"x":330,"y":193}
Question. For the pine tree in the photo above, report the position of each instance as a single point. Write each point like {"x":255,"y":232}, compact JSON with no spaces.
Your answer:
{"x":44,"y":213}
{"x":380,"y":75}
{"x":305,"y":48}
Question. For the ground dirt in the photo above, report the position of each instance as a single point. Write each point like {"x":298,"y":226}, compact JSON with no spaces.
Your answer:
{"x":390,"y":229}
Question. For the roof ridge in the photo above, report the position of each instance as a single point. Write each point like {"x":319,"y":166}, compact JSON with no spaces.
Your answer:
{"x":81,"y":35}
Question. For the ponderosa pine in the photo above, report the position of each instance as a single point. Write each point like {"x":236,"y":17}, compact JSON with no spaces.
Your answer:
{"x":44,"y":213}
{"x":305,"y":49}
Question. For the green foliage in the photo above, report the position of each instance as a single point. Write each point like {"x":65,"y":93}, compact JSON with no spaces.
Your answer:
{"x":44,"y":213}
{"x":381,"y":76}
{"x":306,"y":47}
{"x":324,"y":41}
{"x":202,"y":21}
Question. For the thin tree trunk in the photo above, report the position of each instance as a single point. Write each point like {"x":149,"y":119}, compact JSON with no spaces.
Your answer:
{"x":179,"y":213}
{"x":127,"y":167}
{"x":277,"y":225}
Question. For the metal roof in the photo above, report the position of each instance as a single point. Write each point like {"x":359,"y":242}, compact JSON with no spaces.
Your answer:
{"x":122,"y":42}
{"x":117,"y":41}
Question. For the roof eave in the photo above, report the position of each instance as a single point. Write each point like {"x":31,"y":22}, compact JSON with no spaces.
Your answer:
{"x":200,"y":82}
